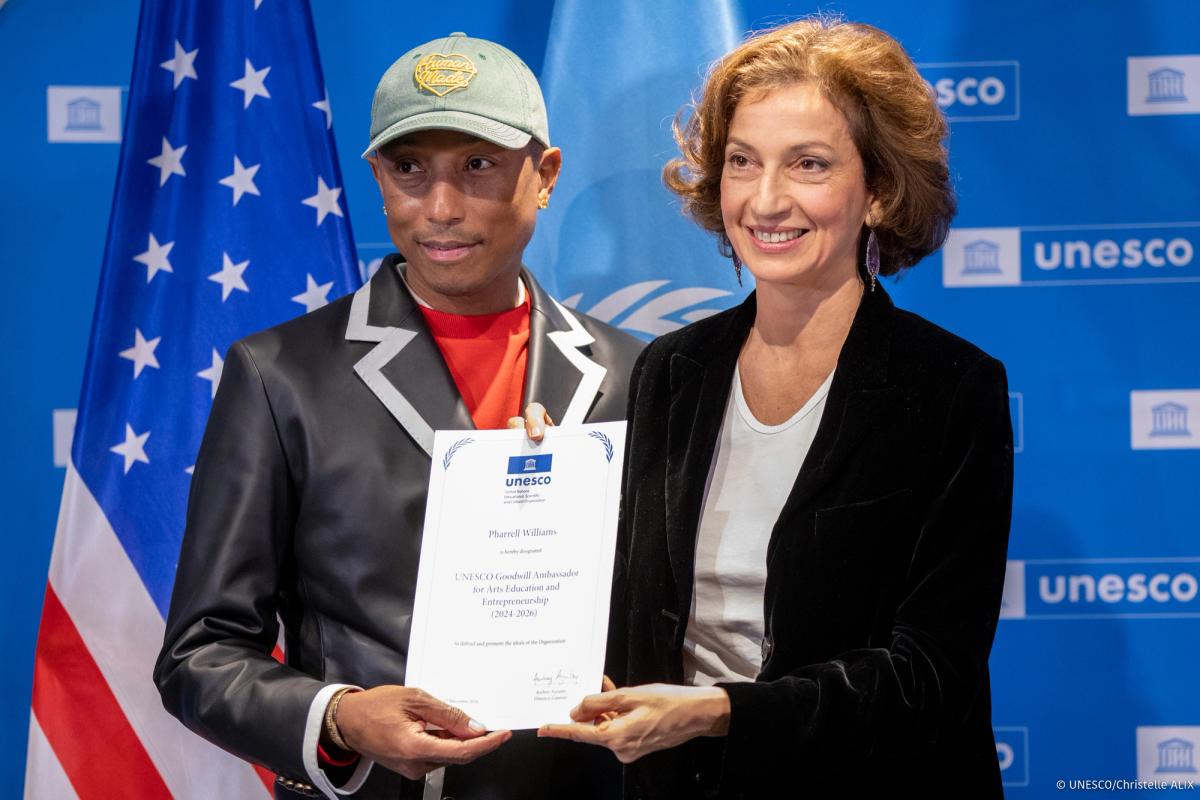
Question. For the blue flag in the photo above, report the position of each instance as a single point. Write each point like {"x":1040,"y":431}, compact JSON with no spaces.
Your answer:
{"x":614,"y":243}
{"x":228,"y":217}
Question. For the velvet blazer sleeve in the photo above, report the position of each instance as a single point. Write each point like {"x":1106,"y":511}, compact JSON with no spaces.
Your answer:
{"x":216,"y":672}
{"x":909,"y":696}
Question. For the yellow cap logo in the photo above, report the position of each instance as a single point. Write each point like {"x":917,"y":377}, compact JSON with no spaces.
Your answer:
{"x":442,"y":74}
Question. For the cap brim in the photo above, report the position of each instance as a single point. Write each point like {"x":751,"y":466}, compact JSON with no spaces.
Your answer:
{"x":471,"y":124}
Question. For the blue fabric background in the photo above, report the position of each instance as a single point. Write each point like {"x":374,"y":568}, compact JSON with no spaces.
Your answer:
{"x":1059,"y":157}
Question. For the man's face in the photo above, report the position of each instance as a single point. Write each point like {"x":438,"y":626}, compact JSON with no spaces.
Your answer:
{"x":461,"y":211}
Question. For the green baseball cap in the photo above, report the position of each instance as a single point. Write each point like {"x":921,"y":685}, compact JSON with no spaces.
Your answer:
{"x":460,"y":84}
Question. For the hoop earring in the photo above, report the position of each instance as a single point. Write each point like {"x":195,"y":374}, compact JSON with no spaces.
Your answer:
{"x":872,"y":259}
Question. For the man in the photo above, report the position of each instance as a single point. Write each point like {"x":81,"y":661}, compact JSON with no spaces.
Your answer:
{"x":308,"y":495}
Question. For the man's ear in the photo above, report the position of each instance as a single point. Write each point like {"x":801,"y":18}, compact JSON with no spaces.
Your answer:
{"x":548,"y":171}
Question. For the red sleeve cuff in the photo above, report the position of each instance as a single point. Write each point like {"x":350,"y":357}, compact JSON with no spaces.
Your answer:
{"x":327,"y":760}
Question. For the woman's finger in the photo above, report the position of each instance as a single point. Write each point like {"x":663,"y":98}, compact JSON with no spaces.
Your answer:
{"x":597,"y":705}
{"x":577,"y":732}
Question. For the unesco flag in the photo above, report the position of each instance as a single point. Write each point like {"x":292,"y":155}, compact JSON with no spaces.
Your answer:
{"x":228,"y":217}
{"x":528,"y":465}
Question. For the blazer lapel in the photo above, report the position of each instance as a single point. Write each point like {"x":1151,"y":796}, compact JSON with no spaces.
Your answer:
{"x":559,"y":374}
{"x":857,"y":399}
{"x":701,"y":374}
{"x":405,"y":370}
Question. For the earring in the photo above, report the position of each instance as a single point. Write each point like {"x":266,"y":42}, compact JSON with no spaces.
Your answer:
{"x":872,"y":260}
{"x":737,"y":266}
{"x":385,"y":211}
{"x":543,"y":202}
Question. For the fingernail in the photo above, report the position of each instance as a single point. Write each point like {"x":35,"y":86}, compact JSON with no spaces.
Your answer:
{"x":535,"y":431}
{"x":476,"y":726}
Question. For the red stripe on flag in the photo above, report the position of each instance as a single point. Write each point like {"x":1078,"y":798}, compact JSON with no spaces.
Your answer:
{"x":85,"y":725}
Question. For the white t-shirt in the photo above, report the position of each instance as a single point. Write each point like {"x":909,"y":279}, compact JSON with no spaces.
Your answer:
{"x":752,"y":473}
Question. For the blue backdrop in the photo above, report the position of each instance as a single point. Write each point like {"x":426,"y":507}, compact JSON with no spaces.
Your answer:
{"x":1075,"y":149}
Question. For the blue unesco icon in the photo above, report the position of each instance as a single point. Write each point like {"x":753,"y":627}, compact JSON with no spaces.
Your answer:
{"x":1170,"y":419}
{"x":84,"y":115}
{"x":981,"y":257}
{"x":529,"y":465}
{"x":1176,"y":755}
{"x":1166,"y":86}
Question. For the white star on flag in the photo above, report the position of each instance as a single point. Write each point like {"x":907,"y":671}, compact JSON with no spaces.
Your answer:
{"x":213,"y":373}
{"x":182,"y":65}
{"x":325,"y":201}
{"x":314,"y":296}
{"x":169,"y":161}
{"x":230,"y":276}
{"x":323,"y":105}
{"x":155,"y":258}
{"x":133,"y":448}
{"x":241,"y":181}
{"x":142,"y":352}
{"x":252,"y":84}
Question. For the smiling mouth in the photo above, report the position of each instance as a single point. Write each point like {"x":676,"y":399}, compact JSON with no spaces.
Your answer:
{"x":776,"y":237}
{"x":433,"y":244}
{"x":446,"y":250}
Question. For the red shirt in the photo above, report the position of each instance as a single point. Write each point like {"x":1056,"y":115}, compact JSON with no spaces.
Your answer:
{"x":486,"y":354}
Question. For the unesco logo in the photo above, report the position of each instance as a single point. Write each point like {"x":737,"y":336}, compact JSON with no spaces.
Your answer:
{"x":1167,"y":752}
{"x":1165,"y":419}
{"x":1092,"y":588}
{"x":83,"y":113}
{"x":1162,"y":85}
{"x":529,"y":470}
{"x":976,"y":91}
{"x":1083,"y":254}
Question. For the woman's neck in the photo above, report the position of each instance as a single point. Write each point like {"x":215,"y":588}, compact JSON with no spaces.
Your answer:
{"x":805,"y":317}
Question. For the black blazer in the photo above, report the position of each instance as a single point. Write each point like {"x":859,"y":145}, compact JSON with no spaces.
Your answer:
{"x":306,"y":509}
{"x":884,"y":570}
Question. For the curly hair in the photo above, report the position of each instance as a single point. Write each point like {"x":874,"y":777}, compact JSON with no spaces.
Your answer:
{"x":895,"y":123}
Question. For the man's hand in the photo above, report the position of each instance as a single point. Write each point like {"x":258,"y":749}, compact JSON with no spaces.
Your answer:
{"x":387,"y":724}
{"x":536,"y":420}
{"x":639,"y":720}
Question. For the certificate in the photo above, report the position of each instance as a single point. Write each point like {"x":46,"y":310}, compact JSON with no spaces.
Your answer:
{"x":511,"y":612}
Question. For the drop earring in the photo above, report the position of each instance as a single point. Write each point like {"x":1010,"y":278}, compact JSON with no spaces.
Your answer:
{"x":737,"y":266}
{"x":872,"y":259}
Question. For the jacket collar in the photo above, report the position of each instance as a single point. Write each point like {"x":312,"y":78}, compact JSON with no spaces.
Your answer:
{"x":406,"y":371}
{"x":701,"y":374}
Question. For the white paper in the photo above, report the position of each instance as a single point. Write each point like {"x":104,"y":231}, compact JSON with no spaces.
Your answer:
{"x":511,"y":611}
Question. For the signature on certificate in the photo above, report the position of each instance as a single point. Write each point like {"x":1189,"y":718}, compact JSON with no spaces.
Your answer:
{"x":561,"y":677}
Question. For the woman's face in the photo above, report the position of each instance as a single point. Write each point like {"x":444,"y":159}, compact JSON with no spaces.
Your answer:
{"x":793,"y":192}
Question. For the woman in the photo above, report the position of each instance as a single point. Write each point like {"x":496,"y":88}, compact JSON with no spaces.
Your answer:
{"x":817,"y":506}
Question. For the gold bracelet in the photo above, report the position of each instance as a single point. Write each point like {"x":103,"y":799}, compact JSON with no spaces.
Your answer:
{"x":331,"y":726}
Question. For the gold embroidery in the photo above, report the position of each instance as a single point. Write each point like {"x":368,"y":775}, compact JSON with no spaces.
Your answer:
{"x":443,"y":74}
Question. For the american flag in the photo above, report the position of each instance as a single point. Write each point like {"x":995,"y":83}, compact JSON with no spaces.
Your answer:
{"x":228,"y":217}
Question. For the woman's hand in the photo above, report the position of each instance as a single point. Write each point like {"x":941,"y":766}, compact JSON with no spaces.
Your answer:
{"x":535,"y":421}
{"x":639,"y":720}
